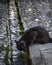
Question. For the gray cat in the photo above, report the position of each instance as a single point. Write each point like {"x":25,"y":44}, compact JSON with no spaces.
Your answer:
{"x":33,"y":35}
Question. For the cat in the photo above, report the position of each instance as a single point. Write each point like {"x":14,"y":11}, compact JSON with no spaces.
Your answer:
{"x":34,"y":35}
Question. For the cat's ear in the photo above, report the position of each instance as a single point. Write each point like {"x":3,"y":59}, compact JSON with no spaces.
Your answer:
{"x":16,"y":41}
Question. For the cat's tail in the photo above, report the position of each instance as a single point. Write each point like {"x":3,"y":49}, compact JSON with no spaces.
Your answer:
{"x":50,"y":40}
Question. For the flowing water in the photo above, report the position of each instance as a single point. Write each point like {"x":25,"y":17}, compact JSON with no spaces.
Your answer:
{"x":33,"y":13}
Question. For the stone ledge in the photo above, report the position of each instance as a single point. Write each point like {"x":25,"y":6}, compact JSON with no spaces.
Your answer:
{"x":41,"y":54}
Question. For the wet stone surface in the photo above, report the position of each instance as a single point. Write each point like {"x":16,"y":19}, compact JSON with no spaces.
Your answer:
{"x":41,"y":54}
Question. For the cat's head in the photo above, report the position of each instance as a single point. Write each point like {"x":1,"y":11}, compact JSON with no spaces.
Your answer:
{"x":20,"y":45}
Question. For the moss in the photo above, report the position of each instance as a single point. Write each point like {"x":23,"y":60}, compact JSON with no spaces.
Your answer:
{"x":21,"y":28}
{"x":17,"y":8}
{"x":6,"y":56}
{"x":26,"y":60}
